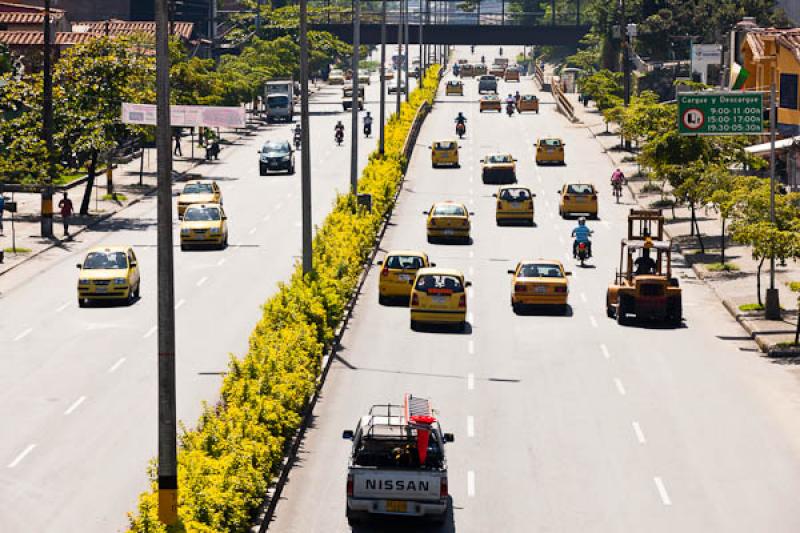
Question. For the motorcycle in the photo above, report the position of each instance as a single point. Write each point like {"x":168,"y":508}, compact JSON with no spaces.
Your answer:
{"x":298,"y":140}
{"x":510,"y":108}
{"x":461,"y":129}
{"x":339,"y":136}
{"x":583,"y":252}
{"x":367,"y":130}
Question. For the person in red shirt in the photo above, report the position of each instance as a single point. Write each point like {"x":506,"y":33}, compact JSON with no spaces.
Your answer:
{"x":65,"y":205}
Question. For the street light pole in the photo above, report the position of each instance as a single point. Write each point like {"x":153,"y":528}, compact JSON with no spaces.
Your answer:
{"x":305,"y":156}
{"x":167,"y":426}
{"x":47,"y":128}
{"x":354,"y":108}
{"x":772,"y":311}
{"x":407,"y":49}
{"x":421,"y":61}
{"x":382,"y":117}
{"x":399,"y":56}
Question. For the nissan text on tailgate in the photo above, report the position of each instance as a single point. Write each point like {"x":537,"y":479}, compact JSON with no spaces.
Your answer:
{"x":397,"y":465}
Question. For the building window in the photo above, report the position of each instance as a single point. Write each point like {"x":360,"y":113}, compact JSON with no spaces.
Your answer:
{"x":788,"y":94}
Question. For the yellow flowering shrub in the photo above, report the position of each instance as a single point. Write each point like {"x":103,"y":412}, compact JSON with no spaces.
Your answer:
{"x":225,"y":464}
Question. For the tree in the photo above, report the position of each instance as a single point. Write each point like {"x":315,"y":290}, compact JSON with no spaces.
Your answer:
{"x":751,"y":225}
{"x":101,"y":74}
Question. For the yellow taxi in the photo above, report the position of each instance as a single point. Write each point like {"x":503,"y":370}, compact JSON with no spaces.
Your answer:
{"x":398,"y":270}
{"x":454,"y":87}
{"x":467,"y":71}
{"x":199,"y":192}
{"x":448,"y":220}
{"x":512,"y":74}
{"x":490,"y":102}
{"x":204,"y":225}
{"x":528,"y":102}
{"x":514,"y":204}
{"x":336,"y":77}
{"x":539,"y":282}
{"x":550,"y":150}
{"x":439,"y":297}
{"x":109,"y":273}
{"x":499,"y":168}
{"x":444,"y":153}
{"x":577,"y":199}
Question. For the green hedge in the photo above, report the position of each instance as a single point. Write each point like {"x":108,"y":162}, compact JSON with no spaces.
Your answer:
{"x":226,"y":463}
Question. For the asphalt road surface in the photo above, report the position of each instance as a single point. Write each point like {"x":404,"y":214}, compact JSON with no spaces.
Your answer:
{"x":562,"y":423}
{"x":78,"y":397}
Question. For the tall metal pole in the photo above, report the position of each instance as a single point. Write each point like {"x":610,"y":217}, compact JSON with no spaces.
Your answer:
{"x":408,"y":49}
{"x":47,"y":129}
{"x":167,"y":426}
{"x":772,"y":310}
{"x":399,"y":55}
{"x":305,"y":156}
{"x":626,"y":63}
{"x":382,"y":117}
{"x":421,"y":60}
{"x":354,"y":108}
{"x":258,"y":16}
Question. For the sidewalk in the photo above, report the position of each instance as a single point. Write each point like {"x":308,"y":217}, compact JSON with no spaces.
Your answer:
{"x":734,"y":288}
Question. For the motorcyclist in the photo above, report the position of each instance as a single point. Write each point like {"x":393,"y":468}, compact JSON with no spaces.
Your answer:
{"x":461,"y":121}
{"x":472,"y":49}
{"x":501,"y":51}
{"x":297,"y":135}
{"x":510,"y":104}
{"x":517,"y":97}
{"x":483,"y":59}
{"x":581,"y":233}
{"x":368,"y":124}
{"x":338,"y":130}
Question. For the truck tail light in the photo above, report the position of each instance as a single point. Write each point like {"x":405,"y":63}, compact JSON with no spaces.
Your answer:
{"x":414,"y":299}
{"x":519,"y":287}
{"x":350,"y":484}
{"x":560,"y":289}
{"x":462,"y":300}
{"x":433,"y":221}
{"x":566,"y":197}
{"x":385,"y":271}
{"x":443,"y":493}
{"x":499,"y":206}
{"x":594,"y":197}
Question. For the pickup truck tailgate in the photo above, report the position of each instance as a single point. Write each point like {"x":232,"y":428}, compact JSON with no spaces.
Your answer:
{"x":397,"y":484}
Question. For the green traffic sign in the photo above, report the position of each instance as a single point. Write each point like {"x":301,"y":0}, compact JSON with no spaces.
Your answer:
{"x":720,"y":113}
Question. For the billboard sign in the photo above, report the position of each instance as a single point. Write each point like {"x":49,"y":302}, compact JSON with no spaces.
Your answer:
{"x":186,"y":115}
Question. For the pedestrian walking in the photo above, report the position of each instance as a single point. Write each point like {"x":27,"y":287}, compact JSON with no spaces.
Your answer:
{"x":65,"y":205}
{"x":178,"y":135}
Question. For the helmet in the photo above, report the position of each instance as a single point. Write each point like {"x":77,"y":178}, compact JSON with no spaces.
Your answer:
{"x":582,"y":221}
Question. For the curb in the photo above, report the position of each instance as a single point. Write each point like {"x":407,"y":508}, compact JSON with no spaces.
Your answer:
{"x":273,"y":495}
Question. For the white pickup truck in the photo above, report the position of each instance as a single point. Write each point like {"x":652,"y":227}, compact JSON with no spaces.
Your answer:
{"x":397,"y":465}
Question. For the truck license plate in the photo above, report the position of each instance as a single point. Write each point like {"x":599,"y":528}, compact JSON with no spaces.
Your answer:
{"x":448,"y":232}
{"x":395,"y":506}
{"x":540,"y":289}
{"x":515,"y":205}
{"x":404,"y":277}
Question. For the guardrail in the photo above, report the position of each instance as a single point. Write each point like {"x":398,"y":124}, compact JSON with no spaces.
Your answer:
{"x":563,"y":104}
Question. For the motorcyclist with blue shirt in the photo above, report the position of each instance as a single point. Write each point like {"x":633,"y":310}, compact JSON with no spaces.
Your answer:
{"x":581,"y":233}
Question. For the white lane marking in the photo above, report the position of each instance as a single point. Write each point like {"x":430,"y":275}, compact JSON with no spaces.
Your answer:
{"x":471,"y":271}
{"x":266,"y":218}
{"x":21,"y":456}
{"x":471,"y":179}
{"x":604,"y":349}
{"x":289,"y":195}
{"x":593,"y":320}
{"x":471,"y":192}
{"x":470,"y":426}
{"x":201,"y":281}
{"x":116,"y":365}
{"x":620,"y":388}
{"x":63,"y":306}
{"x":471,"y":484}
{"x":74,"y":405}
{"x":180,"y":304}
{"x":639,"y":433}
{"x":561,"y":239}
{"x":150,"y":332}
{"x":252,"y":230}
{"x":471,"y":319}
{"x":221,"y":261}
{"x":471,"y":347}
{"x":662,"y":491}
{"x":552,"y":215}
{"x":23,"y":334}
{"x":583,"y":297}
{"x":470,"y":381}
{"x":471,"y":254}
{"x":278,"y":206}
{"x":605,"y":223}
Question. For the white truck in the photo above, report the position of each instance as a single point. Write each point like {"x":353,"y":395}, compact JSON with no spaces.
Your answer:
{"x":397,"y":464}
{"x":279,"y":100}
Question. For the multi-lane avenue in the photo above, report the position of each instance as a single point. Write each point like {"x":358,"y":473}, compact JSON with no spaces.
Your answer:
{"x":78,"y":387}
{"x":562,"y":423}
